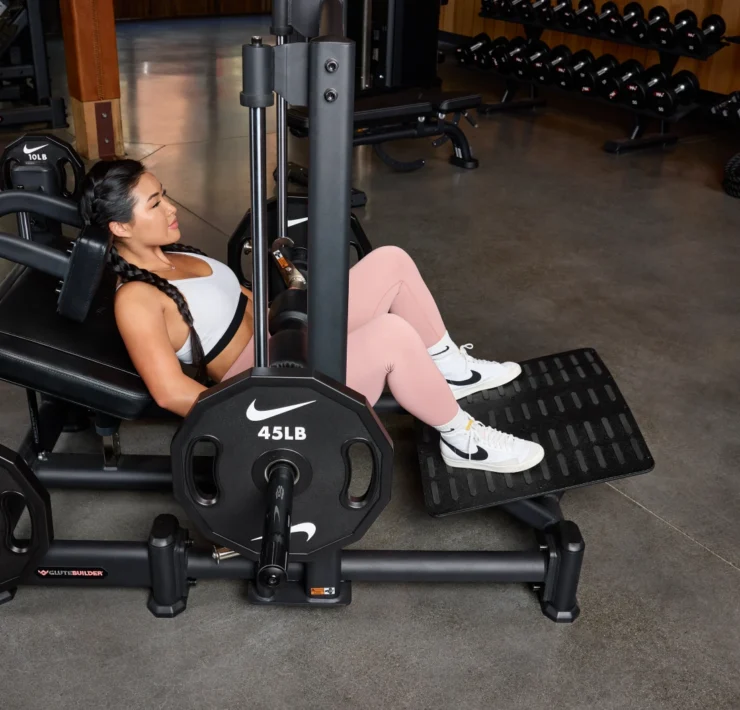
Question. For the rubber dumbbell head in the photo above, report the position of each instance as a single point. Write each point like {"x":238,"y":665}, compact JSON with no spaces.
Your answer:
{"x":613,"y":85}
{"x":637,"y":90}
{"x":543,"y":70}
{"x":514,"y":9}
{"x":594,"y":23}
{"x":524,"y":61}
{"x":466,"y":52}
{"x":683,"y":88}
{"x":570,"y":19}
{"x":542,"y":11}
{"x":503,"y":56}
{"x":551,"y":15}
{"x":484,"y":58}
{"x":640,"y":29}
{"x":666,"y":35}
{"x":712,"y":31}
{"x":567,"y":74}
{"x":616,"y":25}
{"x":590,"y":79}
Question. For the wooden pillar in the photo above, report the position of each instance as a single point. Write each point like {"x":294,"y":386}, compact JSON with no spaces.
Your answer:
{"x":89,"y":29}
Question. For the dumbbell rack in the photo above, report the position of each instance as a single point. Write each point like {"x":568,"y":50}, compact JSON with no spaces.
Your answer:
{"x":637,"y":140}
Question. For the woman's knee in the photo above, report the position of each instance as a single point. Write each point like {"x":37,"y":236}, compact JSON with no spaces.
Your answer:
{"x":398,"y":334}
{"x":393,"y":259}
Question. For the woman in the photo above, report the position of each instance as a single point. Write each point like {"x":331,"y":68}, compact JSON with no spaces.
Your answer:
{"x":174,"y":305}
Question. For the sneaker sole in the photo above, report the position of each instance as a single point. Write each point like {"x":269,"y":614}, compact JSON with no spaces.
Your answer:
{"x":489,"y":384}
{"x":531,"y":462}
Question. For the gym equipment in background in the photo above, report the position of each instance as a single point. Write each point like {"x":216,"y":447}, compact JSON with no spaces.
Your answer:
{"x":712,"y":31}
{"x":570,"y":19}
{"x":731,"y":181}
{"x":612,"y":86}
{"x":523,"y":62}
{"x":228,"y":470}
{"x":666,"y":34}
{"x":616,"y":25}
{"x":594,"y":23}
{"x":681,"y":89}
{"x":504,"y":56}
{"x":640,"y":30}
{"x":568,"y":75}
{"x":397,"y":49}
{"x":24,"y":69}
{"x":589,"y":80}
{"x":638,"y":89}
{"x":466,"y":53}
{"x":543,"y":70}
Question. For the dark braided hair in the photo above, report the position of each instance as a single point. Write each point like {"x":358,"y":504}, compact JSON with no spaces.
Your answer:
{"x":107,"y":196}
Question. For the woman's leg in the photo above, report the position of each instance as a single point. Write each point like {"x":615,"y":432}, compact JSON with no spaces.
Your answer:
{"x":388,"y":281}
{"x":388,"y":349}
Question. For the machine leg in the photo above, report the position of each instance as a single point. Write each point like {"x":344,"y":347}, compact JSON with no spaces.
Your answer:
{"x":558,"y":597}
{"x":8,"y":595}
{"x":168,"y":561}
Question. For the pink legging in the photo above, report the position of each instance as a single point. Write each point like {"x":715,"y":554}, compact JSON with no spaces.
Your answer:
{"x":393,"y":319}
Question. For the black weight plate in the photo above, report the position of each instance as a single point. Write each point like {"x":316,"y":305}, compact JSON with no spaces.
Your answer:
{"x":43,"y":151}
{"x":289,"y":415}
{"x":20,"y":488}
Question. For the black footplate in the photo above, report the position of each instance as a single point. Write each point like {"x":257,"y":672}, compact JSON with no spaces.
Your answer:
{"x":571,"y":405}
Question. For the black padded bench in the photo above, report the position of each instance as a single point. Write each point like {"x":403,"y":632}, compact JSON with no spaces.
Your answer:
{"x":416,"y":113}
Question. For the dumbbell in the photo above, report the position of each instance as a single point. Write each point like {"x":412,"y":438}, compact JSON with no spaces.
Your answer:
{"x":514,"y":8}
{"x":567,"y":74}
{"x":503,"y":57}
{"x":712,"y":30}
{"x":726,"y":107}
{"x":638,"y":89}
{"x":523,"y":62}
{"x":543,"y":70}
{"x":551,"y":15}
{"x":616,"y":25}
{"x":666,"y":35}
{"x":589,"y":80}
{"x":541,"y":11}
{"x":640,"y":30}
{"x":466,"y":52}
{"x":594,"y":23}
{"x":612,"y":86}
{"x":570,"y":19}
{"x":484,"y":57}
{"x":682,"y":88}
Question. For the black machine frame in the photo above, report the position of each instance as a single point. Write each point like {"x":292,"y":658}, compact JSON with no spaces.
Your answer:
{"x":44,"y":107}
{"x":168,"y":564}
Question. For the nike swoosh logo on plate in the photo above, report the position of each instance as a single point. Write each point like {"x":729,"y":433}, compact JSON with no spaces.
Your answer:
{"x":256,"y":415}
{"x":28,"y":150}
{"x":475,"y":377}
{"x":293,"y":222}
{"x":308,"y":528}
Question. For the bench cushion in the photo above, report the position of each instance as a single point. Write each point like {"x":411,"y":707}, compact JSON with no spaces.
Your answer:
{"x":84,"y":363}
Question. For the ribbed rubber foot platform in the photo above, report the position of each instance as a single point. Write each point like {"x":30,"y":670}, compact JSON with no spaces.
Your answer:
{"x":568,"y":403}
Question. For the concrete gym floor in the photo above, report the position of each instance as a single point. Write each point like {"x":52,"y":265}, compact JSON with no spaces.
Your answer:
{"x":552,"y":244}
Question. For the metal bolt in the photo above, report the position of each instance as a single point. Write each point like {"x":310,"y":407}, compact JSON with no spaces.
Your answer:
{"x":107,"y":140}
{"x":331,"y":65}
{"x":257,"y":41}
{"x":331,"y":95}
{"x":104,"y":115}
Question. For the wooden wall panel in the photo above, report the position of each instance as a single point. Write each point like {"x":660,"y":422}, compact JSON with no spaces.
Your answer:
{"x":721,"y":73}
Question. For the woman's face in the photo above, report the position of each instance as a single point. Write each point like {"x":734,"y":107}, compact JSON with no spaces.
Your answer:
{"x":154,"y":221}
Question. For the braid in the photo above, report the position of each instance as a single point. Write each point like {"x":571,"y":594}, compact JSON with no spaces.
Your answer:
{"x":128,"y":272}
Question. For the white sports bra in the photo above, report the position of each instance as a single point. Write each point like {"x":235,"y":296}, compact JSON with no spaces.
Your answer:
{"x":217,"y":305}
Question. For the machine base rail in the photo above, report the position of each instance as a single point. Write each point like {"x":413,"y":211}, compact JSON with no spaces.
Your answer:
{"x":168,"y":566}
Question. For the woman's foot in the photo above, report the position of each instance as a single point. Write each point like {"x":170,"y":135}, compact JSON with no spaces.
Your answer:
{"x":466,"y":374}
{"x":484,"y":448}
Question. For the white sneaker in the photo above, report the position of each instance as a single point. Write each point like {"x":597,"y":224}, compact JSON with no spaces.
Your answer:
{"x":467,"y":375}
{"x":486,"y":449}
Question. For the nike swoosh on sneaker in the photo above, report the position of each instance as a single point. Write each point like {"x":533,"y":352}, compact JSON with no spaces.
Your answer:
{"x":441,"y":352}
{"x":479,"y":455}
{"x":475,"y":377}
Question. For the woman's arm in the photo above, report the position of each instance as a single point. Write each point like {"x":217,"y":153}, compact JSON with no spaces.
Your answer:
{"x":141,"y":322}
